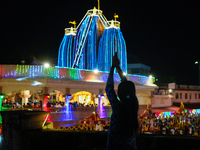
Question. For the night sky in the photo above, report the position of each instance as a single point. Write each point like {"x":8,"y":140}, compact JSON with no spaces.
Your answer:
{"x":163,"y":35}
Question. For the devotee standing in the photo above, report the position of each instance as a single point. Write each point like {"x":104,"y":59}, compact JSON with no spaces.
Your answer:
{"x":124,"y":119}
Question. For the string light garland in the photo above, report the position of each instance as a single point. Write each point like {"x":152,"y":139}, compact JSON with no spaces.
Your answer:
{"x":55,"y":72}
{"x":94,"y":44}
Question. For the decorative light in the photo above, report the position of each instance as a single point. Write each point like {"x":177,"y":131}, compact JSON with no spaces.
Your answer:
{"x":196,"y":62}
{"x":96,"y":70}
{"x":170,"y":90}
{"x":20,"y":79}
{"x":124,"y":73}
{"x":38,"y":71}
{"x":112,"y":41}
{"x":46,"y":65}
{"x":84,"y":51}
{"x":35,"y":83}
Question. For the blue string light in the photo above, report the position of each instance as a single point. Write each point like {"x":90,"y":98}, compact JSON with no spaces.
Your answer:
{"x":112,"y":41}
{"x":65,"y":50}
{"x":84,"y":52}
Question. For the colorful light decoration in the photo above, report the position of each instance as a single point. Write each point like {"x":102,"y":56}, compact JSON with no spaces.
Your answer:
{"x":65,"y":56}
{"x":112,"y":41}
{"x":36,"y":83}
{"x":38,"y":71}
{"x":171,"y":113}
{"x":84,"y":51}
{"x":1,"y":98}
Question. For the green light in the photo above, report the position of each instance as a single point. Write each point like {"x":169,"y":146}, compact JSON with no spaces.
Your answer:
{"x":1,"y":97}
{"x":196,"y":62}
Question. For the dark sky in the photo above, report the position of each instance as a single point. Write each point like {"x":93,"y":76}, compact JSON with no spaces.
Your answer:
{"x":163,"y":35}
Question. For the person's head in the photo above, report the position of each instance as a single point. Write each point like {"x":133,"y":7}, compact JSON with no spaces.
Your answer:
{"x":126,"y":90}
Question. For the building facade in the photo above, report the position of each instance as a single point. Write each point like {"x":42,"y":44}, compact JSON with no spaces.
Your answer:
{"x":61,"y":82}
{"x":170,"y":93}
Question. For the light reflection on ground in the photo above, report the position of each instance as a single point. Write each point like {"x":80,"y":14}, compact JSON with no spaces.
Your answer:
{"x":65,"y":115}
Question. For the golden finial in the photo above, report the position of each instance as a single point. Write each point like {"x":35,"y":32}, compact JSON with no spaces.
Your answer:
{"x":74,"y":23}
{"x":112,"y":23}
{"x":94,"y":11}
{"x":116,"y":16}
{"x":98,"y":4}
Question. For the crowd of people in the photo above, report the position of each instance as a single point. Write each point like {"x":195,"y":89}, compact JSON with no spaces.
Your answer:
{"x":19,"y":105}
{"x":179,"y":123}
{"x":75,"y":104}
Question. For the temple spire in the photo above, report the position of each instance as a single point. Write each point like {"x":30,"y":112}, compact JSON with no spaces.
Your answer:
{"x":98,"y":4}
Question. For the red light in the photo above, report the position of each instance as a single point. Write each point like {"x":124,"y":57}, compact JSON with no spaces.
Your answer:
{"x":47,"y":96}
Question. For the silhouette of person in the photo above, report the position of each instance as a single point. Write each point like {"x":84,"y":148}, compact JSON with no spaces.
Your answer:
{"x":124,"y":119}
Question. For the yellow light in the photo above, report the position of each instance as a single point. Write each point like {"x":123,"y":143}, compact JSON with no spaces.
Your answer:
{"x":170,"y":90}
{"x":94,"y":11}
{"x":74,"y":23}
{"x":112,"y":23}
{"x":116,"y":16}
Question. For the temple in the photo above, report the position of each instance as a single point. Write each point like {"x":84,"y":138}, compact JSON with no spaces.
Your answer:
{"x":84,"y":60}
{"x":92,"y":44}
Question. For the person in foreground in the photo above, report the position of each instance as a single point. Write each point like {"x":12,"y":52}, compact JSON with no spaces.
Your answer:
{"x":124,"y":119}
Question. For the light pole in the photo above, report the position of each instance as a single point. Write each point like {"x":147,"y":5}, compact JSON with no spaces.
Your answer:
{"x":198,"y":63}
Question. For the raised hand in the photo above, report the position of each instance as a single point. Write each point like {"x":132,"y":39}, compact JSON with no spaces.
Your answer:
{"x":115,"y":60}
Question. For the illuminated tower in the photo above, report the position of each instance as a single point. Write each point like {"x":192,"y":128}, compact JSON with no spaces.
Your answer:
{"x":65,"y":56}
{"x":112,"y":41}
{"x":91,"y":45}
{"x":87,"y":40}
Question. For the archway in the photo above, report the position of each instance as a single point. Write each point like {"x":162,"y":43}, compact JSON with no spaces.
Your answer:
{"x":13,"y":97}
{"x":35,"y":98}
{"x":56,"y":96}
{"x":17,"y":98}
{"x":84,"y":98}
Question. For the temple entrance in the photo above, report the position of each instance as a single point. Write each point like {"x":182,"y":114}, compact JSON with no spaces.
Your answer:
{"x":12,"y":97}
{"x":35,"y":98}
{"x":84,"y":98}
{"x":17,"y":99}
{"x":56,"y":97}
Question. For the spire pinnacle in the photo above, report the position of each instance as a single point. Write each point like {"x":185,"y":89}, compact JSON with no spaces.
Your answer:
{"x":98,"y":4}
{"x":94,"y":11}
{"x":115,"y":16}
{"x":74,"y":23}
